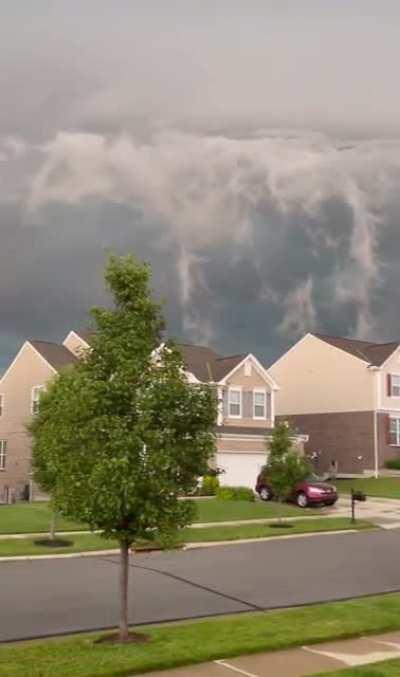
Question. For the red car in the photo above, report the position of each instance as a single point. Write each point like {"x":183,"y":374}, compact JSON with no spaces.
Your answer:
{"x":312,"y":491}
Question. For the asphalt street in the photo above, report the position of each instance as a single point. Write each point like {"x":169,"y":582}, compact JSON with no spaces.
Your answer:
{"x":64,"y":595}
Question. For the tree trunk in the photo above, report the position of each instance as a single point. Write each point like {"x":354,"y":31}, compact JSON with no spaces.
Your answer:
{"x":53,"y":524}
{"x":123,"y":590}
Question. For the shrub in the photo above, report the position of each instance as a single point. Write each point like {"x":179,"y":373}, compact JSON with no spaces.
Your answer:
{"x":393,"y":464}
{"x":209,"y":485}
{"x":235,"y":494}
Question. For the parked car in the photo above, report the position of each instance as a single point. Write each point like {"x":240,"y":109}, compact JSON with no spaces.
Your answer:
{"x":312,"y":491}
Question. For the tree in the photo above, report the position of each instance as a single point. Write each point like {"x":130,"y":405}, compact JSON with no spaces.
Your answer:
{"x":285,"y":467}
{"x":122,"y":431}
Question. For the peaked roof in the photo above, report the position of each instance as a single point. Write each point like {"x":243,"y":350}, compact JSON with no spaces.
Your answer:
{"x":203,"y":362}
{"x":57,"y":355}
{"x":374,"y":353}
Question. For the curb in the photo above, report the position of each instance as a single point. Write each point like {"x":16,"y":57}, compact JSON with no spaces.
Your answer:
{"x":187,"y":546}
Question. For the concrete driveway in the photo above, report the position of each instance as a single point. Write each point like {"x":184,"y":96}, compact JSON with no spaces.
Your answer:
{"x":58,"y":596}
{"x":384,"y":512}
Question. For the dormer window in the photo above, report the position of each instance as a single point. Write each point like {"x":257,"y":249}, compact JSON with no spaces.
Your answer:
{"x":235,"y":402}
{"x":35,"y":397}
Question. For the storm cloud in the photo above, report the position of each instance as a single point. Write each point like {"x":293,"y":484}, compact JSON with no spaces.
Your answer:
{"x":251,"y":153}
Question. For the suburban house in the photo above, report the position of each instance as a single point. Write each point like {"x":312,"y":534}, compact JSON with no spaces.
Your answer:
{"x":246,"y":395}
{"x":345,"y":394}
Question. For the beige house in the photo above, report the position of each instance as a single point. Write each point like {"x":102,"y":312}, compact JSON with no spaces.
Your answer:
{"x":246,"y":395}
{"x":346,"y":395}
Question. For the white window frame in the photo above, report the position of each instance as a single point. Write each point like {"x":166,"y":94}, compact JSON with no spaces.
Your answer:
{"x":235,"y":389}
{"x":259,"y":391}
{"x":396,"y":432}
{"x":3,"y":454}
{"x":35,"y":398}
{"x":396,"y":375}
{"x":2,"y":398}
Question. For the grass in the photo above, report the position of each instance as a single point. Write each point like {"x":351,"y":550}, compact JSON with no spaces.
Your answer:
{"x":12,"y":547}
{"x":384,"y":487}
{"x":384,"y":669}
{"x":217,"y":510}
{"x":194,"y":642}
{"x":25,"y":518}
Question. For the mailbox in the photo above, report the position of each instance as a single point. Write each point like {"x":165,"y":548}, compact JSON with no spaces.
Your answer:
{"x":356,"y":496}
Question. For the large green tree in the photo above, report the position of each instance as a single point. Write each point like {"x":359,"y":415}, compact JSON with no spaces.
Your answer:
{"x":122,"y":432}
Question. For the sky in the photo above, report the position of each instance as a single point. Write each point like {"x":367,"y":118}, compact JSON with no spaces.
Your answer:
{"x":250,"y":151}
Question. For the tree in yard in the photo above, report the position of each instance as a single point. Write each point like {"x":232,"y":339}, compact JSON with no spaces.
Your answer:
{"x":285,"y":467}
{"x":122,"y":431}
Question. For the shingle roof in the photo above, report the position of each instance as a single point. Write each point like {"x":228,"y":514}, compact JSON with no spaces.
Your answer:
{"x":57,"y":355}
{"x":204,"y":362}
{"x":374,"y":353}
{"x":242,"y":430}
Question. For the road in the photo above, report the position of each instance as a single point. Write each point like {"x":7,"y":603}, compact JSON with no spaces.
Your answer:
{"x":56,"y":596}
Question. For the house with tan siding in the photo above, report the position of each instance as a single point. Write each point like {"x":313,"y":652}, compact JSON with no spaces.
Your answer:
{"x":345,"y":394}
{"x":245,"y":390}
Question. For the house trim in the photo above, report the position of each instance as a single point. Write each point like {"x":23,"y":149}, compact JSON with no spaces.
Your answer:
{"x":73,"y":333}
{"x":259,"y":367}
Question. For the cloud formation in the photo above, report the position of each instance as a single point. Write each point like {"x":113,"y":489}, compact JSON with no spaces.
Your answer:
{"x":208,"y":191}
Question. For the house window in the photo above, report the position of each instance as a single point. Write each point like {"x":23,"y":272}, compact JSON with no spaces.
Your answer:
{"x":395,"y":385}
{"x":35,"y":396}
{"x":235,"y":403}
{"x":259,"y":404}
{"x":394,"y":431}
{"x":3,"y":454}
{"x":1,"y":404}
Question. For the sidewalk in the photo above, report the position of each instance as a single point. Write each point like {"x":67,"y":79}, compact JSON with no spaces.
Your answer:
{"x":299,"y":662}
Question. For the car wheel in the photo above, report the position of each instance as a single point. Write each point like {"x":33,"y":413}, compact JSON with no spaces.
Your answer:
{"x":265,"y":494}
{"x":302,"y":500}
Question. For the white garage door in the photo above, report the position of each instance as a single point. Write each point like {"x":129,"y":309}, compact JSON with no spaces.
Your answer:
{"x":241,"y":470}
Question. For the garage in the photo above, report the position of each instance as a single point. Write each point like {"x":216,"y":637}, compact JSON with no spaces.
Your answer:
{"x":240,"y":469}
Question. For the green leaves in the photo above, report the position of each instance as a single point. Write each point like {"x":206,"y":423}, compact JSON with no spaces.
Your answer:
{"x":121,"y":435}
{"x":285,"y":467}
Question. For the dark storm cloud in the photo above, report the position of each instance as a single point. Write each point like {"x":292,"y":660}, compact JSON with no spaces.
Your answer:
{"x":231,"y":145}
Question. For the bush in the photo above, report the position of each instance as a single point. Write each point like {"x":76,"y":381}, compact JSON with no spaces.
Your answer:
{"x":209,"y":485}
{"x":235,"y":494}
{"x":393,"y":464}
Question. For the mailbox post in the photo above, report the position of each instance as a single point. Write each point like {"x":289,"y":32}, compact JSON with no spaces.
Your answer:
{"x":356,"y":496}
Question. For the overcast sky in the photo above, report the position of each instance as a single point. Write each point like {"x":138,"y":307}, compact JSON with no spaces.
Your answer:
{"x":249,"y":150}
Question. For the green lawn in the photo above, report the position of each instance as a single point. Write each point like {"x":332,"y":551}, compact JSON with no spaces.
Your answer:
{"x":386,"y":487}
{"x":25,"y":518}
{"x":216,"y":510}
{"x":194,"y":642}
{"x":385,"y":669}
{"x":11,"y":547}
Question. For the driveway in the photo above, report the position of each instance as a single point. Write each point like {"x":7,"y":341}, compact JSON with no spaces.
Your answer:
{"x":56,"y":596}
{"x":384,"y":512}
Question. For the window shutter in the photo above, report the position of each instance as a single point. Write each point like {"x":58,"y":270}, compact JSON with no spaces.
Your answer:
{"x":388,"y":434}
{"x":389,"y":384}
{"x":248,"y":404}
{"x":268,"y":405}
{"x":225,"y":402}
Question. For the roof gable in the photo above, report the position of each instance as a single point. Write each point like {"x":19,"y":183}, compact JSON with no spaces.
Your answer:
{"x":374,"y":354}
{"x":55,"y":354}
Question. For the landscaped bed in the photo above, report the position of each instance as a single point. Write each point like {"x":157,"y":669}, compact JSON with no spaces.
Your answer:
{"x":194,"y":642}
{"x":13,"y":547}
